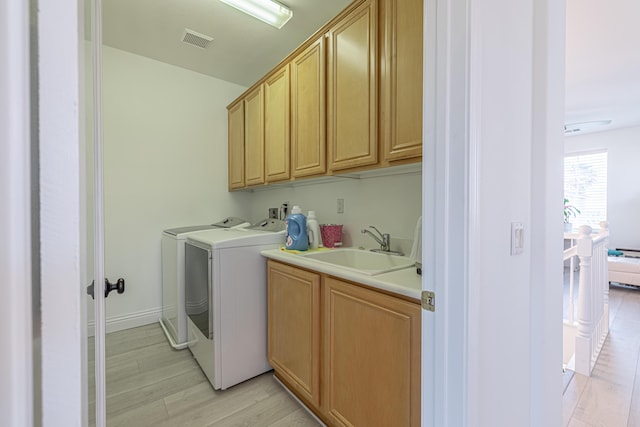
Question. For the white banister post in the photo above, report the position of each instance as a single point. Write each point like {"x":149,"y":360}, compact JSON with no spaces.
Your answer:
{"x":585,"y":311}
{"x":604,"y":229}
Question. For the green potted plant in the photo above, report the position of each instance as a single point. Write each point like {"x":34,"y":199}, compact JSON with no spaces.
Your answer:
{"x":569,"y":212}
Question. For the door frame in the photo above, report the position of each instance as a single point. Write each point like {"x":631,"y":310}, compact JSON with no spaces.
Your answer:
{"x":452,"y":346}
{"x":64,"y":349}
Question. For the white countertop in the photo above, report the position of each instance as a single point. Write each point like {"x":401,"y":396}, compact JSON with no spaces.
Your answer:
{"x":404,"y":282}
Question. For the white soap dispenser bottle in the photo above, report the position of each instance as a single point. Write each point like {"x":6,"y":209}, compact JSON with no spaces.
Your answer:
{"x":313,"y":228}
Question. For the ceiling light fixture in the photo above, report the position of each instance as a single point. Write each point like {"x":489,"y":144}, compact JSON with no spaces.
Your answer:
{"x":269,"y":11}
{"x":577,"y":127}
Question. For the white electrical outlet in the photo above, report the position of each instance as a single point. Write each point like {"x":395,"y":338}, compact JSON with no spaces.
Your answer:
{"x":340,"y":205}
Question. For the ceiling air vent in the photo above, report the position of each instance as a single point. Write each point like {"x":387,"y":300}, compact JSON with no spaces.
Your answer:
{"x":196,"y":39}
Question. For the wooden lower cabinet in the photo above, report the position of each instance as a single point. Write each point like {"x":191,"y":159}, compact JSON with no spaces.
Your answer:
{"x":369,"y":343}
{"x":371,"y":346}
{"x":293,"y":328}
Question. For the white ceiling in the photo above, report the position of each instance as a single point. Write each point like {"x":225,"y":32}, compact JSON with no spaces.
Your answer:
{"x":603,"y":62}
{"x":602,"y":59}
{"x":243,"y":49}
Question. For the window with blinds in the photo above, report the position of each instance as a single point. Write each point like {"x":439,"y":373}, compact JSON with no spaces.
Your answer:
{"x":585,"y":185}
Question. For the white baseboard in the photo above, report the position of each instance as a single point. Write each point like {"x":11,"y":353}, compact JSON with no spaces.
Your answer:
{"x":128,"y":321}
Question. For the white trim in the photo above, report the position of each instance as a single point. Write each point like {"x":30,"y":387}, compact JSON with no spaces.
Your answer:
{"x":58,"y":54}
{"x":429,"y":223}
{"x":546,"y":201}
{"x":473,"y":343}
{"x":16,"y":375}
{"x":127,"y":321}
{"x":98,"y":219}
{"x":445,"y":205}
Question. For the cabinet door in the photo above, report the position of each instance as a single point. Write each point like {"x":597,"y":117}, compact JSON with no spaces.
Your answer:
{"x":236,"y":145}
{"x":293,"y":307}
{"x":352,"y":92}
{"x":401,"y":94}
{"x":254,"y":137}
{"x":308,"y":130}
{"x":371,"y":345}
{"x":276,"y":126}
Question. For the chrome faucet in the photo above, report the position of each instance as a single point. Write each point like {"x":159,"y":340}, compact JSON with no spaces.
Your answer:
{"x":384,"y":239}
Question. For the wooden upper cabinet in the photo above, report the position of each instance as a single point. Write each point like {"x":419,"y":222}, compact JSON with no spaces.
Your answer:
{"x":293,"y":323}
{"x":348,"y":99}
{"x":277,"y":125}
{"x":308,"y":128}
{"x":401,"y":79}
{"x":371,"y":363}
{"x":352,"y":89}
{"x":236,"y":145}
{"x":254,"y":137}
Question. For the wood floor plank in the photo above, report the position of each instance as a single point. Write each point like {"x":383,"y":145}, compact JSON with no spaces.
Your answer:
{"x":261,"y":413}
{"x":571,"y":397}
{"x":221,"y":404}
{"x":189,"y":398}
{"x":578,"y":423}
{"x":298,"y":418}
{"x":146,"y":415}
{"x":634,"y":410}
{"x":156,"y":391}
{"x":144,"y":379}
{"x":603,"y":404}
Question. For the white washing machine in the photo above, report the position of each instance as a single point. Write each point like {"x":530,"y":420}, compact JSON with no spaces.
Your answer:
{"x":226,"y":300}
{"x":174,"y":317}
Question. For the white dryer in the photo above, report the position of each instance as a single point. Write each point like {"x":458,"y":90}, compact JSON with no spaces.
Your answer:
{"x":226,"y":300}
{"x":174,"y":317}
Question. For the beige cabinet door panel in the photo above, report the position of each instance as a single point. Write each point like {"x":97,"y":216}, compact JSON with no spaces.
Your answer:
{"x":308,"y":128}
{"x":254,"y":137}
{"x":352,"y":89}
{"x":294,"y":328}
{"x":401,"y":94}
{"x":371,"y":363}
{"x":276,"y":126}
{"x":236,"y":145}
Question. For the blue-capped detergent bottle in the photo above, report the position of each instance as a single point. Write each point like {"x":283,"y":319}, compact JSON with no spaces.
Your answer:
{"x":296,"y":224}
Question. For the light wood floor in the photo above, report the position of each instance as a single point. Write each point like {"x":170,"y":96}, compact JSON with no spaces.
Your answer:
{"x":150,"y":384}
{"x":611,"y":396}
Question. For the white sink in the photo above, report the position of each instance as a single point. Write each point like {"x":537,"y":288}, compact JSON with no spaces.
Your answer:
{"x":362,"y":261}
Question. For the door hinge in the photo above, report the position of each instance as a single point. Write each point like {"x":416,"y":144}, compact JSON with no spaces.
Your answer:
{"x":428,"y":300}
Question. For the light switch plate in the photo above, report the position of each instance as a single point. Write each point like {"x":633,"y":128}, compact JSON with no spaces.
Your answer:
{"x":340,"y":206}
{"x":517,"y":238}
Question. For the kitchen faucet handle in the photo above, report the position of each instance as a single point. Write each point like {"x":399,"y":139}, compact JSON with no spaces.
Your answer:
{"x":381,"y":235}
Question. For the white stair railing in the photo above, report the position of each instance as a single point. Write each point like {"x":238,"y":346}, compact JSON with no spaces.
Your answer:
{"x":592,"y":326}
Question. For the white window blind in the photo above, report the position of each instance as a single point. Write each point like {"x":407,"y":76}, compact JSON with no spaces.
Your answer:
{"x":585,"y":185}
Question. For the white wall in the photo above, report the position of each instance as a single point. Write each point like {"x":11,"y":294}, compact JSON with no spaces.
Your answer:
{"x":393,"y":204}
{"x":19,"y":321}
{"x":514,"y":315}
{"x":165,"y":165}
{"x":623,"y":193}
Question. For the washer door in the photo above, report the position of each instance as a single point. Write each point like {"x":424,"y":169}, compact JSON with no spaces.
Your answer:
{"x":198,"y":296}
